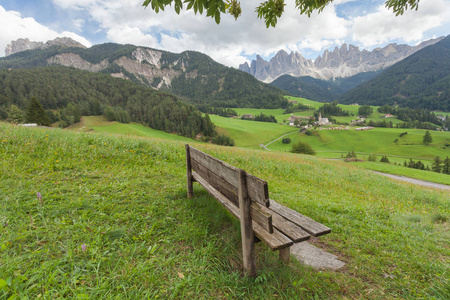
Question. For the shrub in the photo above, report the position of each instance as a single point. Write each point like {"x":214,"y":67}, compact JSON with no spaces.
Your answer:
{"x":302,"y":148}
{"x":223,"y":140}
{"x":372,"y":157}
{"x":351,"y":155}
{"x":384,"y":159}
{"x":286,"y":140}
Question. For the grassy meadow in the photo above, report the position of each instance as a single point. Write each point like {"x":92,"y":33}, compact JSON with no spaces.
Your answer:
{"x":250,"y":134}
{"x":100,"y":124}
{"x":114,"y":222}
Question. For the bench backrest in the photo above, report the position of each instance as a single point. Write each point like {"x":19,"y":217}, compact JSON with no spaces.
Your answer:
{"x":224,"y":178}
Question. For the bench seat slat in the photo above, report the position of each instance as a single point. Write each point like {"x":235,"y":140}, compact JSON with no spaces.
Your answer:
{"x":276,"y":241}
{"x":312,"y":227}
{"x":293,"y":231}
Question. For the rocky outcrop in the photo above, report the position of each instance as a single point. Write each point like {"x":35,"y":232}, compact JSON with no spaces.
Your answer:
{"x":342,"y":62}
{"x":75,"y":61}
{"x":145,"y":64}
{"x":25,"y":44}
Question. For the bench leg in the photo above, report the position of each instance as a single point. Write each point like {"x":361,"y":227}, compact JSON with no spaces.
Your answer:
{"x":285,"y":254}
{"x":190,"y":187}
{"x":248,"y":242}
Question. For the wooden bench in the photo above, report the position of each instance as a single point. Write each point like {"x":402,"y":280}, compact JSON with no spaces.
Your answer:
{"x":247,"y":198}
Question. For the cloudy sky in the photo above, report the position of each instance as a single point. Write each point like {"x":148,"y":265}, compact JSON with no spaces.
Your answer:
{"x":365,"y":23}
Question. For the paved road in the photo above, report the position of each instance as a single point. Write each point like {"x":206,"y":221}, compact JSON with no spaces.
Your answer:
{"x":417,"y":181}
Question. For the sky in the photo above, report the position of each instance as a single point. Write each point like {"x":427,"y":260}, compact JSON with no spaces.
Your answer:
{"x":363,"y":23}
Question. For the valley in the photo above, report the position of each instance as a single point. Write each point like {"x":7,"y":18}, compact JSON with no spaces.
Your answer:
{"x":94,"y":203}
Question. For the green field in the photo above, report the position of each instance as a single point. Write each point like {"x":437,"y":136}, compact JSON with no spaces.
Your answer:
{"x":250,"y":134}
{"x":114,"y":222}
{"x":100,"y":124}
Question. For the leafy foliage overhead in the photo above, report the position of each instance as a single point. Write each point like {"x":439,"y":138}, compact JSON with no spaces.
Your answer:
{"x":270,"y":10}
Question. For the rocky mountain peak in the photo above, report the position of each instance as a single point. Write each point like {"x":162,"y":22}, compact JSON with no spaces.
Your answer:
{"x":344,"y":61}
{"x":25,"y":44}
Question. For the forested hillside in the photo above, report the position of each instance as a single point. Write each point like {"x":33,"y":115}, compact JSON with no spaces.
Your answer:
{"x":420,"y":81}
{"x":320,"y":90}
{"x":67,"y":94}
{"x":193,"y":76}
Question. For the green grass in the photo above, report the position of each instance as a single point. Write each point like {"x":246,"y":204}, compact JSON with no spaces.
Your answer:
{"x":403,"y":171}
{"x":125,"y":199}
{"x":100,"y":124}
{"x":250,"y":134}
{"x":333,"y":143}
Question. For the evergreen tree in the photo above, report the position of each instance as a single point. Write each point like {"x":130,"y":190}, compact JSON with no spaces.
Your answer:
{"x":15,"y":115}
{"x":36,"y":113}
{"x":427,"y":139}
{"x":446,"y":166}
{"x":384,"y":159}
{"x":436,"y":167}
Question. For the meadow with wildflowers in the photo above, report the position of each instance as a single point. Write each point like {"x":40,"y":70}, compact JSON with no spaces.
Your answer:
{"x":95,"y":216}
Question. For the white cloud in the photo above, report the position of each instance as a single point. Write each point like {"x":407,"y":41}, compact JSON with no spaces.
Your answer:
{"x":131,"y":35}
{"x":78,"y":24}
{"x":232,"y":42}
{"x":20,"y":27}
{"x":383,"y":26}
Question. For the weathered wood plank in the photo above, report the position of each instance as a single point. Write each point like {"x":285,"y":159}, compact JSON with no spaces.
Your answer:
{"x":291,"y":230}
{"x":257,"y":188}
{"x":309,"y":225}
{"x":247,"y":235}
{"x":285,"y":254}
{"x":233,"y":209}
{"x":190,"y":188}
{"x":224,"y":187}
{"x":262,"y":216}
{"x":275,"y":241}
{"x":259,"y":213}
{"x":227,"y":172}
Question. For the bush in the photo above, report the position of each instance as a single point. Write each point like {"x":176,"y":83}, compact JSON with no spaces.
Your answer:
{"x":303,"y":148}
{"x":372,"y":157}
{"x":384,"y":159}
{"x":351,"y":155}
{"x":286,"y":140}
{"x":223,"y":140}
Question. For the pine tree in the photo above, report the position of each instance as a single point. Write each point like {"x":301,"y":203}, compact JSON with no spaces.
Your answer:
{"x":427,"y":139}
{"x":15,"y":115}
{"x":36,"y":113}
{"x":446,"y":166}
{"x":436,"y":167}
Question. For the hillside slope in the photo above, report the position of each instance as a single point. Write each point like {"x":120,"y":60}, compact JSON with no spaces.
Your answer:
{"x":422,"y":80}
{"x":113,"y":221}
{"x":70,"y":93}
{"x":318,"y":89}
{"x":191,"y":75}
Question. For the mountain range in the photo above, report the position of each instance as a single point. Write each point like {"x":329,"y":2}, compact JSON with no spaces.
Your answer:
{"x":193,"y":76}
{"x":342,"y":62}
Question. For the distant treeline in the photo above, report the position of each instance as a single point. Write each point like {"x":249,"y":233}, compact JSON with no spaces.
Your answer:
{"x":220,"y":111}
{"x":261,"y":118}
{"x":66,"y":94}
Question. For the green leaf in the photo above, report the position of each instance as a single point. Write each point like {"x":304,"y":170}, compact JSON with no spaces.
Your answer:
{"x":217,"y":17}
{"x":2,"y":283}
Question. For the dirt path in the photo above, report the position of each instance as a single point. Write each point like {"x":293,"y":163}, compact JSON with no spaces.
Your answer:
{"x":265,"y":146}
{"x":417,"y":181}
